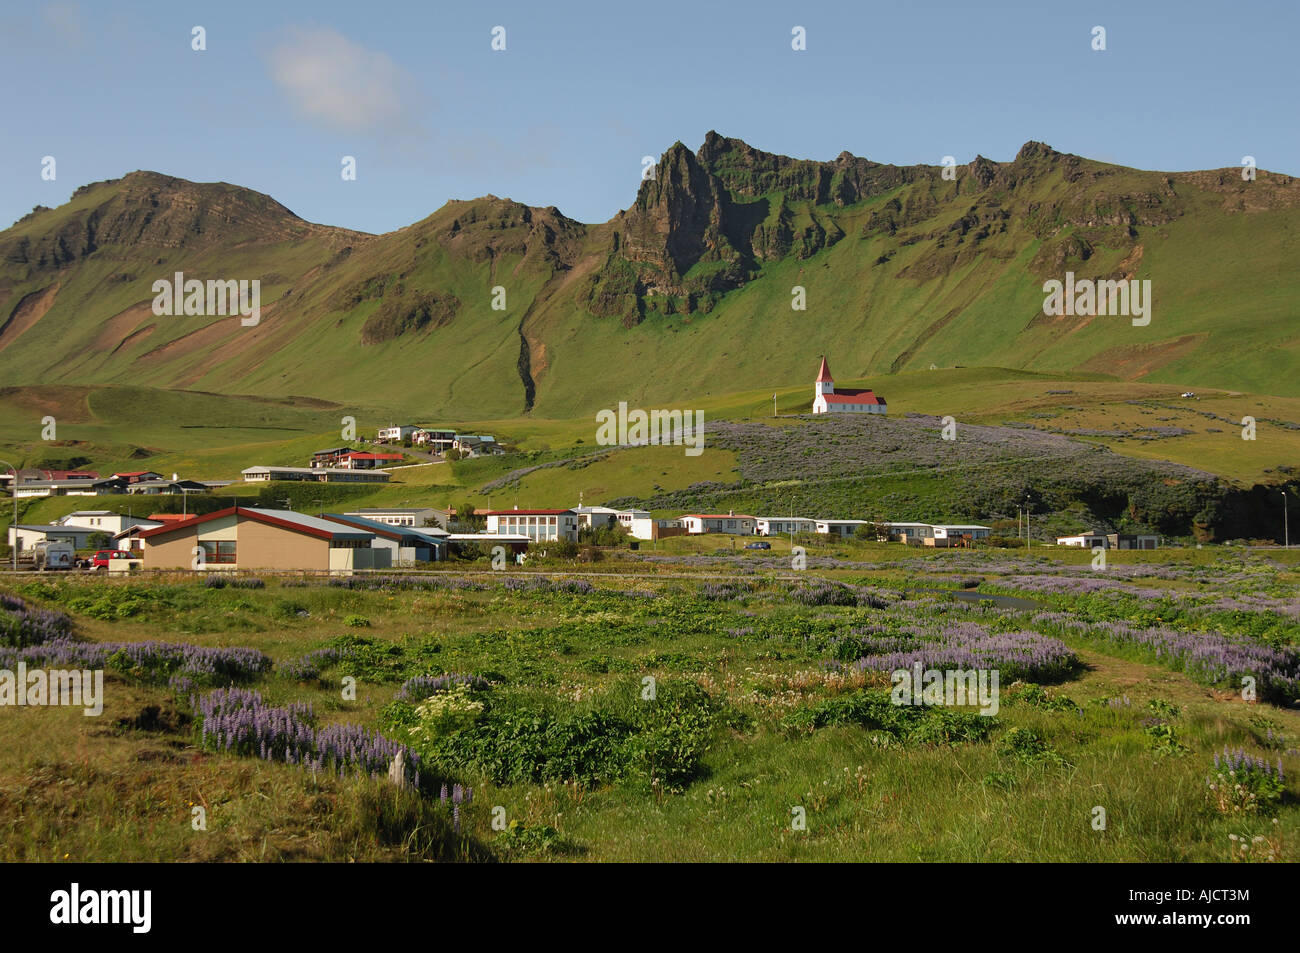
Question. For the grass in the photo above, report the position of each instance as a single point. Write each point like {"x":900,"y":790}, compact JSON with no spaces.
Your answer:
{"x":122,"y":787}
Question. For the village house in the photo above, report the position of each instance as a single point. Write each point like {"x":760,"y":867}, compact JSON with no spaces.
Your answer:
{"x":75,"y":487}
{"x":839,"y":527}
{"x":433,"y":439}
{"x":596,"y":517}
{"x":909,"y":532}
{"x":166,"y":487}
{"x":421,"y":517}
{"x":396,"y":434}
{"x":1087,"y":540}
{"x":949,"y":534}
{"x":1093,"y":539}
{"x":778,"y":525}
{"x":474,"y":446}
{"x":363,"y":460}
{"x":36,"y":473}
{"x":314,"y":474}
{"x":26,"y":535}
{"x":328,"y":457}
{"x":538,"y":525}
{"x":240,"y":537}
{"x":136,"y":476}
{"x":731,"y":523}
{"x":406,"y":545}
{"x":827,"y":399}
{"x":103,"y":521}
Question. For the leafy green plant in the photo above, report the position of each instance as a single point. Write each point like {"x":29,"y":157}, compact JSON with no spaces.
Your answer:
{"x":1028,"y":747}
{"x":1163,"y":739}
{"x":521,"y":838}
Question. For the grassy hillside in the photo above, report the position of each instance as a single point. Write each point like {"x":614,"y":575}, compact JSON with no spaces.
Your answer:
{"x":684,"y":298}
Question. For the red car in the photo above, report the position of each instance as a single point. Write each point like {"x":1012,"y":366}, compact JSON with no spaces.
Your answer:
{"x":101,"y":558}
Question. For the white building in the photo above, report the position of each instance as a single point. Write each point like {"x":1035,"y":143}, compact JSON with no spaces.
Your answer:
{"x":1085,"y":540}
{"x":839,"y":527}
{"x":397,"y":433}
{"x":596,"y":517}
{"x":735,"y":524}
{"x":540,"y":526}
{"x":418,"y":516}
{"x":30,"y":488}
{"x":639,"y":524}
{"x":779,"y":525}
{"x":910,"y":532}
{"x":436,"y":440}
{"x":829,"y":400}
{"x":27,"y":535}
{"x":314,"y":474}
{"x":956,"y":534}
{"x":103,"y":521}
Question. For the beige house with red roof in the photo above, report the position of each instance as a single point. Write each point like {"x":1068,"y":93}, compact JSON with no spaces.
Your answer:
{"x":828,"y":399}
{"x":242,"y":537}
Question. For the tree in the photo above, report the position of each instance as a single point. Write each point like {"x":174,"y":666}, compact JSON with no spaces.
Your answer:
{"x":99,"y":541}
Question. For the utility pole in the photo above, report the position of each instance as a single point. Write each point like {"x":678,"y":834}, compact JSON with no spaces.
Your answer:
{"x":13,"y":491}
{"x":1286,"y":525}
{"x":1028,"y":541}
{"x":774,"y":405}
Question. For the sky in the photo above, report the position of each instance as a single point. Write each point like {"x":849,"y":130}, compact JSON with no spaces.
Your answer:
{"x":564,"y":115}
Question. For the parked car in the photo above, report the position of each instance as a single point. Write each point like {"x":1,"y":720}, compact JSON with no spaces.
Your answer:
{"x":102,"y":558}
{"x":758,"y":545}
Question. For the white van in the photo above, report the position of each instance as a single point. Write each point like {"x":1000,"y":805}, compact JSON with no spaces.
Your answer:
{"x":54,"y":554}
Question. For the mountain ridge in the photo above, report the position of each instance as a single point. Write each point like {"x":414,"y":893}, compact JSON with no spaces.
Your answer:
{"x":903,"y":267}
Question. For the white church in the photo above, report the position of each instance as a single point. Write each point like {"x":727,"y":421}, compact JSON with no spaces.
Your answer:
{"x":829,"y":400}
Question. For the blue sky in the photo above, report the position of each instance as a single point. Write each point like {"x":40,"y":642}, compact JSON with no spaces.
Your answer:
{"x":582,"y":91}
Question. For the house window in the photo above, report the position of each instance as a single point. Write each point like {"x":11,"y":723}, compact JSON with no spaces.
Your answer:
{"x":218,"y":551}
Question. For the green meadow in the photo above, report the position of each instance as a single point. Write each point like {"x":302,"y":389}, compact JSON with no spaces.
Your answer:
{"x":761,"y":738}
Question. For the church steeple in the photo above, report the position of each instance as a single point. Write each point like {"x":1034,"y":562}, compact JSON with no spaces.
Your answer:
{"x":824,"y":384}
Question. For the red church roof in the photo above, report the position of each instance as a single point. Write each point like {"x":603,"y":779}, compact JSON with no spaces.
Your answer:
{"x":853,"y":397}
{"x":824,"y":375}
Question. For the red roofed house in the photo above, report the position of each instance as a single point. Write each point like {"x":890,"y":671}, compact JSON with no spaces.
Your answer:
{"x":364,"y":460}
{"x":737,"y":525}
{"x":829,"y":400}
{"x":538,"y":525}
{"x":242,"y":537}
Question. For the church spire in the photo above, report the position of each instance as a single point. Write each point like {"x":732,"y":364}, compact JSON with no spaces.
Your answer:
{"x":824,"y":375}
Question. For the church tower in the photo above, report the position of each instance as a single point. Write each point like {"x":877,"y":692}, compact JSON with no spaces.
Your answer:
{"x":824,"y":384}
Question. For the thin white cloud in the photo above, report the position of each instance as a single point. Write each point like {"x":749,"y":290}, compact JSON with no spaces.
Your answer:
{"x":336,"y":83}
{"x":64,"y":19}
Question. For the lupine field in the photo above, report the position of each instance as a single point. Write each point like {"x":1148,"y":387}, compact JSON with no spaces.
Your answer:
{"x":668,"y":706}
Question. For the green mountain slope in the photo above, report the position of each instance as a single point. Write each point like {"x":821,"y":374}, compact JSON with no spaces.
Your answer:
{"x":685,"y":295}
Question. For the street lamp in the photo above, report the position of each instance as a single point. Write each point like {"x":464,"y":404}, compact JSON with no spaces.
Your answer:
{"x":13,"y":491}
{"x":1286,"y":528}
